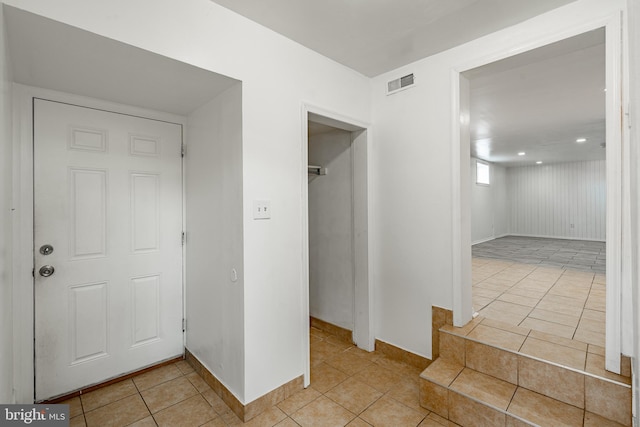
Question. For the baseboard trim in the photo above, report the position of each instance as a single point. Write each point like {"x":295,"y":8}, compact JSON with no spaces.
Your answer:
{"x":554,"y":237}
{"x":401,"y":355}
{"x":488,"y":239}
{"x":252,"y":409}
{"x":340,"y":332}
{"x":537,"y":236}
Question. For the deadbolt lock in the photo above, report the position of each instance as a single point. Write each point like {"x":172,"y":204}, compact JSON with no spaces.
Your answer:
{"x":46,"y":249}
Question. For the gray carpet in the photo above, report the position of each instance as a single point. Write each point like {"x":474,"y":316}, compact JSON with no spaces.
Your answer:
{"x":568,"y":254}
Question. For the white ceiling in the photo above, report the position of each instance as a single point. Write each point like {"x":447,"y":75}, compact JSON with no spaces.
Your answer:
{"x":540,"y":102}
{"x":52,"y":55}
{"x":376,"y":36}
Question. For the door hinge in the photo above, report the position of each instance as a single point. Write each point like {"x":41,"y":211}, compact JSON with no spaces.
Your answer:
{"x":184,"y":325}
{"x":183,"y":150}
{"x":184,"y":238}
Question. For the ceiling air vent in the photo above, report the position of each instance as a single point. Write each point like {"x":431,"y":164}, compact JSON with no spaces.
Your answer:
{"x":400,"y":84}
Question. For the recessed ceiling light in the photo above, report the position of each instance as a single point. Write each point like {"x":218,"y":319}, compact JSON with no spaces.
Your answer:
{"x":522,"y":153}
{"x":538,"y":162}
{"x":580,"y":140}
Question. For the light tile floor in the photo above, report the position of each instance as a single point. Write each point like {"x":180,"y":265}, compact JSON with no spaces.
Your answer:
{"x":563,"y":302}
{"x":349,"y":386}
{"x":550,"y":285}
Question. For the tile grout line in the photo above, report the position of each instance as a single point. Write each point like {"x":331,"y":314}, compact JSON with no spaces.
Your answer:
{"x":143,"y":401}
{"x":514,"y":284}
{"x":152,"y":415}
{"x":555,"y":289}
{"x":384,"y":394}
{"x":84,"y":416}
{"x":546,"y":294}
{"x":586,"y":356}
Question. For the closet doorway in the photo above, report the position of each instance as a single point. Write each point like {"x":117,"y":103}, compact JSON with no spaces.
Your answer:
{"x":336,"y":244}
{"x":331,"y":275}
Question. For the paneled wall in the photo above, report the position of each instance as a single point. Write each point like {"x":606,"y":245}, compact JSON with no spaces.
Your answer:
{"x":502,"y":219}
{"x":565,"y":200}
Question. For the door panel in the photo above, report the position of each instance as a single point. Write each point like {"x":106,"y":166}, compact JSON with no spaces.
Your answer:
{"x":108,"y":199}
{"x":88,"y":216}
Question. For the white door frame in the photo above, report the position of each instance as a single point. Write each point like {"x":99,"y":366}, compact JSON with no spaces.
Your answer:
{"x":461,"y":233}
{"x":363,"y":224}
{"x":23,"y":280}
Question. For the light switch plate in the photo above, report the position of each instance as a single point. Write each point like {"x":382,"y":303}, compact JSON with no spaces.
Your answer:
{"x":261,"y":209}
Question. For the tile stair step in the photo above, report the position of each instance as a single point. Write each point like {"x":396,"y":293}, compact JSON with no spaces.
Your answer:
{"x":569,"y":354}
{"x":470,"y":371}
{"x":470,"y":398}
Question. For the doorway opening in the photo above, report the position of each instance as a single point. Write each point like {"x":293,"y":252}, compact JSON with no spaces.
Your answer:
{"x":331,"y":275}
{"x":538,"y":188}
{"x":336,"y":244}
{"x":561,"y":166}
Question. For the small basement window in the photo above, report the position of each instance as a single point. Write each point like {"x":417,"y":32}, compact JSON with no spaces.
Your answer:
{"x":482,"y":173}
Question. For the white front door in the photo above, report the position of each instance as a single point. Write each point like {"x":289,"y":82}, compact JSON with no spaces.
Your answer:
{"x":108,"y":202}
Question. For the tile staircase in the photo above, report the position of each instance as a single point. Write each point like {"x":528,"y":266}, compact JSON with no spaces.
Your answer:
{"x":494,"y":374}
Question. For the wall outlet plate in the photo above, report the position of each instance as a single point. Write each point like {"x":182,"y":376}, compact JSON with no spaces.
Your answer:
{"x":261,"y":209}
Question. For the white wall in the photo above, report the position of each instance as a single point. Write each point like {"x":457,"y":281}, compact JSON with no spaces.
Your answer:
{"x":6,"y":283}
{"x":278,"y":75}
{"x":413,"y":131}
{"x":489,"y":205}
{"x":634,"y":107}
{"x":213,"y":190}
{"x":331,"y":275}
{"x":547,"y":199}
